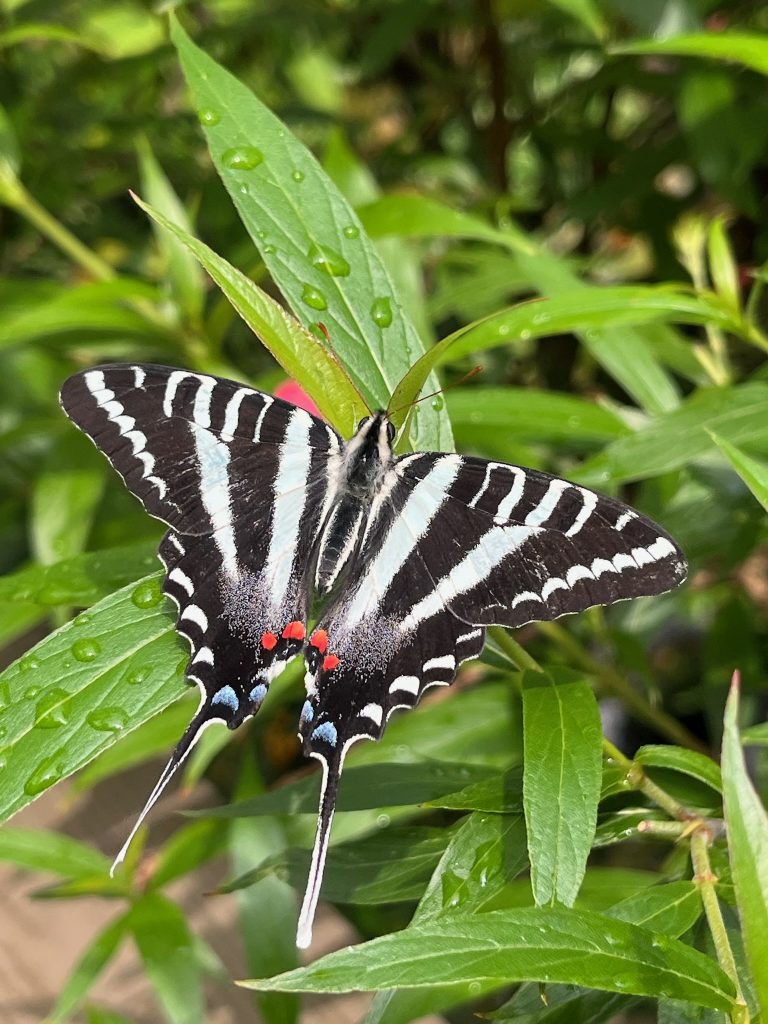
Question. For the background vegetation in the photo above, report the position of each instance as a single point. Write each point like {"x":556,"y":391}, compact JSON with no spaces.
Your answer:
{"x":607,"y":157}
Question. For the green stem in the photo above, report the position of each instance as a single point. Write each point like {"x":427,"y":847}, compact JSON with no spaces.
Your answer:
{"x":616,"y":684}
{"x":705,"y":880}
{"x":25,"y":204}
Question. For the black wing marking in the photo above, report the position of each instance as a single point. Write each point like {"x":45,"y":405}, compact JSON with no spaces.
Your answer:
{"x":453,"y":545}
{"x":244,"y":481}
{"x":528,"y":546}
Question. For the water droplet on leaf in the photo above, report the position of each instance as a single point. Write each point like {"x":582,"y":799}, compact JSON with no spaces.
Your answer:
{"x":29,"y":663}
{"x":269,"y":250}
{"x":52,"y":710}
{"x":82,"y":620}
{"x":31,"y":692}
{"x":328,"y":260}
{"x":242,"y":158}
{"x":313,"y":297}
{"x":147,"y":594}
{"x":137,"y":676}
{"x":298,"y":176}
{"x":5,"y":695}
{"x":437,"y":403}
{"x":47,"y":772}
{"x":3,"y":759}
{"x":381,"y":311}
{"x":86,"y":649}
{"x":351,"y":231}
{"x":382,"y":820}
{"x":208,"y":118}
{"x":107,"y":719}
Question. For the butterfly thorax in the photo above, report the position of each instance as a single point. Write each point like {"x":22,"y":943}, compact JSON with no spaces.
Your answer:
{"x":363,"y":463}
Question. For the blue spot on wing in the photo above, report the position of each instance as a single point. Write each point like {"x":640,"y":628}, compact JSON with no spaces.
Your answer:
{"x":307,"y":712}
{"x":327,"y":732}
{"x":226,"y":695}
{"x":258,"y":693}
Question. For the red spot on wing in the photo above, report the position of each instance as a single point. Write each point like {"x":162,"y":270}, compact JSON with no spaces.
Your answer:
{"x":320,"y":640}
{"x":268,"y":641}
{"x":294,"y":631}
{"x":330,"y":661}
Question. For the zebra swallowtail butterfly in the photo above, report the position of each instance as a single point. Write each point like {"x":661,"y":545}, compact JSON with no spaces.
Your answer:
{"x":410,"y":558}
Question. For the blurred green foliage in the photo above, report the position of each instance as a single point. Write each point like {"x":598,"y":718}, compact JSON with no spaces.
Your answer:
{"x":602,"y":157}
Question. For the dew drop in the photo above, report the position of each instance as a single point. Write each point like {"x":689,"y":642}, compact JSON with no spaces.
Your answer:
{"x":244,"y":190}
{"x":208,"y":118}
{"x":381,"y":311}
{"x":137,"y":676}
{"x":261,"y":234}
{"x":52,"y":710}
{"x":382,"y":820}
{"x":350,"y":231}
{"x":29,"y":663}
{"x":525,"y":334}
{"x":51,"y":594}
{"x":5,"y":695}
{"x":313,"y":297}
{"x":31,"y":692}
{"x":47,"y":772}
{"x":82,"y":620}
{"x":147,"y":594}
{"x":3,"y":759}
{"x":298,"y":175}
{"x":107,"y":719}
{"x":3,"y":732}
{"x":242,"y":158}
{"x":503,"y":330}
{"x":328,"y":260}
{"x":269,"y":250}
{"x":437,"y":403}
{"x":86,"y":649}
{"x":474,"y":988}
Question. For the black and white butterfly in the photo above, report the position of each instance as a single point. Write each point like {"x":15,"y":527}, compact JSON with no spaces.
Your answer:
{"x":410,"y":558}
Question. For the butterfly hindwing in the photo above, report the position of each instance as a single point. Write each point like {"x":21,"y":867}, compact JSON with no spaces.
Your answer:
{"x":244,"y":481}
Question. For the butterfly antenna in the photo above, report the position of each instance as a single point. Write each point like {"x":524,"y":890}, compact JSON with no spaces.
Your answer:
{"x":182,"y":749}
{"x":331,"y":775}
{"x":422,"y":398}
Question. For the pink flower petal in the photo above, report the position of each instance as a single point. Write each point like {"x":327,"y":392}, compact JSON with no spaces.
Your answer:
{"x":290,"y":391}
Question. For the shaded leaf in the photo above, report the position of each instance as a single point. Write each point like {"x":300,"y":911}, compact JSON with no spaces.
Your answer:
{"x":739,"y":47}
{"x":88,"y":969}
{"x":754,"y":472}
{"x":747,"y":825}
{"x":37,"y":850}
{"x":678,"y":759}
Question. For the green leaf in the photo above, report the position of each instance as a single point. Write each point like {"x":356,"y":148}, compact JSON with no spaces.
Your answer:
{"x":99,"y":308}
{"x":670,"y":909}
{"x":301,"y":355}
{"x":587,"y":12}
{"x":166,"y":947}
{"x":414,"y":216}
{"x":678,"y":759}
{"x":104,"y":673}
{"x":309,"y":237}
{"x":189,"y":847}
{"x":586,"y":309}
{"x":561,"y":782}
{"x":725,"y":274}
{"x":501,"y":793}
{"x":82,"y":580}
{"x":755,"y":735}
{"x":390,"y":866}
{"x":747,"y":826}
{"x":754,"y":472}
{"x":37,"y":850}
{"x":553,"y":945}
{"x":65,"y":497}
{"x":157,"y":735}
{"x":741,"y":48}
{"x":528,"y":414}
{"x":88,"y":969}
{"x":365,"y":786}
{"x":183,"y":270}
{"x":677,"y":438}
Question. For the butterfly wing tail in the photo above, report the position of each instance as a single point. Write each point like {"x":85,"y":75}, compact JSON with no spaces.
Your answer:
{"x":332,"y":769}
{"x":182,"y":750}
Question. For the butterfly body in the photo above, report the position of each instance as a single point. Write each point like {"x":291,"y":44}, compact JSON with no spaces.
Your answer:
{"x":408,"y":559}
